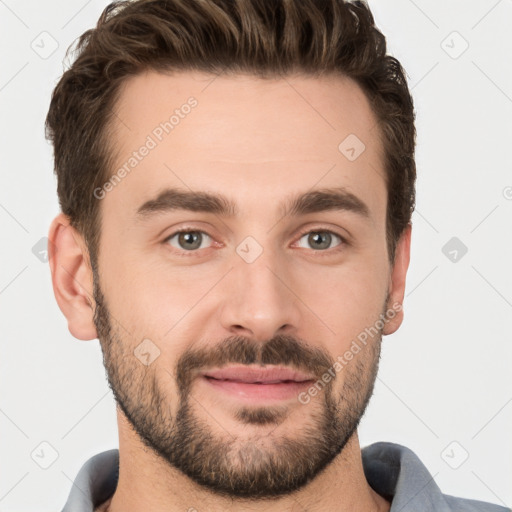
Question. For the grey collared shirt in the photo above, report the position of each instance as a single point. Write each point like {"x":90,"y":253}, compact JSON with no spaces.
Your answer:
{"x":392,"y":470}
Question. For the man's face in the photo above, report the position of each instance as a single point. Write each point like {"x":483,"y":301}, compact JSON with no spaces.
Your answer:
{"x":214,"y":338}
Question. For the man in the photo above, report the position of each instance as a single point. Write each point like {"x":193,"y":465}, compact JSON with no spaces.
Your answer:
{"x":276,"y":140}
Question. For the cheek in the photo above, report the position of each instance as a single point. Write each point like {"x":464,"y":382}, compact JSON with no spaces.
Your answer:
{"x":347,"y":298}
{"x":152,"y":299}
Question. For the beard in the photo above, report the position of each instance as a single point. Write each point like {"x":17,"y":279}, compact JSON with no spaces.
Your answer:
{"x":235,"y":464}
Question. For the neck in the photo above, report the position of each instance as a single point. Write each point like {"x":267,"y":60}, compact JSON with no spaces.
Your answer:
{"x":146,"y":482}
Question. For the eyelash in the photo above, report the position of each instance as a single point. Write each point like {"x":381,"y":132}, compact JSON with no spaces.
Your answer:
{"x":324,"y":252}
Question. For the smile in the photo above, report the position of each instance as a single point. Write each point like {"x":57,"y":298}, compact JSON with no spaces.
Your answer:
{"x":256,"y":384}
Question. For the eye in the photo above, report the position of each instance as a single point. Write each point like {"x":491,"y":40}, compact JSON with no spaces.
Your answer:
{"x":321,"y":240}
{"x":188,"y":240}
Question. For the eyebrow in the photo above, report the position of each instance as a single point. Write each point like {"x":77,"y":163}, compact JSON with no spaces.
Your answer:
{"x":315,"y":201}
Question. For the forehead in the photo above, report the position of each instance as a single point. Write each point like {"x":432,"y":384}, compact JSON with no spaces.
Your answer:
{"x":256,"y":138}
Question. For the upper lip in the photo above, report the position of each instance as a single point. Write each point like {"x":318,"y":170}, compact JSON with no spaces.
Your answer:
{"x":252,"y":374}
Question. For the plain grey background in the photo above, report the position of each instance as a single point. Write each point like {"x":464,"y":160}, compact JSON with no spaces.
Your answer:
{"x":445,"y":383}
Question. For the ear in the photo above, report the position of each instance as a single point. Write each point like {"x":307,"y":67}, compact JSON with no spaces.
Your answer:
{"x":397,"y":281}
{"x":72,"y":277}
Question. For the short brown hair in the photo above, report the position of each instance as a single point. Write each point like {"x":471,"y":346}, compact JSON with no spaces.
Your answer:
{"x":265,"y":38}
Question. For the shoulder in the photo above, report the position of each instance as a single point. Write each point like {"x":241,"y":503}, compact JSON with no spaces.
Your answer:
{"x":396,"y":473}
{"x":95,"y":482}
{"x":466,"y":505}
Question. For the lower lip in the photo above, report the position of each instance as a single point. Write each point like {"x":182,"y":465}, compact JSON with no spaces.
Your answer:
{"x":256,"y":392}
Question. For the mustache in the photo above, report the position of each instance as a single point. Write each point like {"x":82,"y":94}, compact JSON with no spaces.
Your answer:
{"x":280,"y":350}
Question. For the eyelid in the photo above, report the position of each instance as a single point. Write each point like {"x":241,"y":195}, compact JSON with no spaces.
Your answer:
{"x":323,"y":229}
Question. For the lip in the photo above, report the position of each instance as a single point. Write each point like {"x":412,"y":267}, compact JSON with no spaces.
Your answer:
{"x":253,"y":375}
{"x":257,"y":384}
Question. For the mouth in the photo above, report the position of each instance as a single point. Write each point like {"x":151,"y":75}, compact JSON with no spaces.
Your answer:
{"x":256,"y":383}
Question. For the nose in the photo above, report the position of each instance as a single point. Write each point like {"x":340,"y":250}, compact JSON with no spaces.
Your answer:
{"x":259,"y":301}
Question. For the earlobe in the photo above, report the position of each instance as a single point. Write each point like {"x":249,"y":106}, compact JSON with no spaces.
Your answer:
{"x":397,"y":281}
{"x":72,"y":277}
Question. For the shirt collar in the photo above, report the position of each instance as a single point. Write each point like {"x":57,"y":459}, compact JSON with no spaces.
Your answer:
{"x":392,"y":470}
{"x":396,"y":473}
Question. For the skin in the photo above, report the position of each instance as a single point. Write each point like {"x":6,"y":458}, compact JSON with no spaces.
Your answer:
{"x":256,"y":142}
